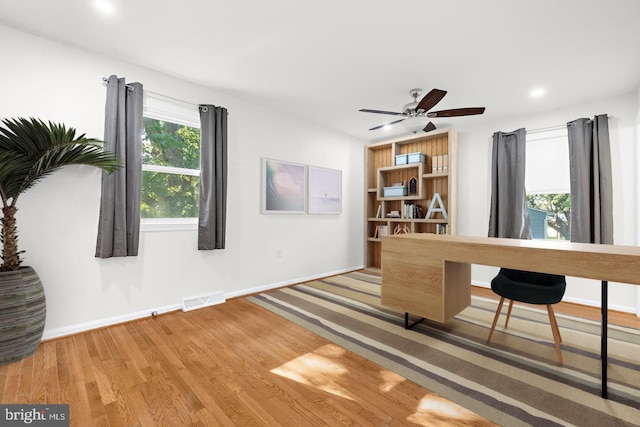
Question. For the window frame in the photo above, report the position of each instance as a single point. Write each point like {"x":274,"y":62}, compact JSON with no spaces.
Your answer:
{"x":159,"y":107}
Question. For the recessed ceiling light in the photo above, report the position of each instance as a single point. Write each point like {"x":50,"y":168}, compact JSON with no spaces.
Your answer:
{"x":538,"y":92}
{"x":105,"y":7}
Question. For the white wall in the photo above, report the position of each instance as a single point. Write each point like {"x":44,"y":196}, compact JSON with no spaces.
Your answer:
{"x":57,"y":219}
{"x":475,"y":188}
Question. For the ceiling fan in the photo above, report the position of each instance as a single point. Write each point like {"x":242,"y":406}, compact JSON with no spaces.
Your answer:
{"x":417,"y":109}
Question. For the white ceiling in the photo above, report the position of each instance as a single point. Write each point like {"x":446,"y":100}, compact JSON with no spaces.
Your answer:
{"x":324,"y":60}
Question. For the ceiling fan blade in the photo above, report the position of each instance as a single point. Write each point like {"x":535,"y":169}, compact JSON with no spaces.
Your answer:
{"x":429,"y":127}
{"x":387,"y":124}
{"x":393,"y":113}
{"x":431,"y":99}
{"x":456,"y":112}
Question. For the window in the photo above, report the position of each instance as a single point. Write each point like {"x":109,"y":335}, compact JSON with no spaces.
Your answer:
{"x":547,"y":183}
{"x":170,"y":164}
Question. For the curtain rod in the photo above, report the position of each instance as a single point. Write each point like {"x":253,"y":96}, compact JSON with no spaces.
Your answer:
{"x":105,"y":80}
{"x":190,"y":104}
{"x":547,"y":129}
{"x":550,"y":128}
{"x":558,"y":127}
{"x":159,"y":95}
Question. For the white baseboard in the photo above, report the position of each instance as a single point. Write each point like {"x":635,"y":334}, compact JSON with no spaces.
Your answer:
{"x":290,"y":282}
{"x":83,"y":327}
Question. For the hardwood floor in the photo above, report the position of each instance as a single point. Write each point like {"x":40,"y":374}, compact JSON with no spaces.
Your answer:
{"x":234,"y":364}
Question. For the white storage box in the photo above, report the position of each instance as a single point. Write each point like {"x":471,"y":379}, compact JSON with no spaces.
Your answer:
{"x":415,"y":158}
{"x":401,"y":159}
{"x":395,"y":191}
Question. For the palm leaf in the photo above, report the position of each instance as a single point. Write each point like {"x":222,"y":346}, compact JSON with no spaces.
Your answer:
{"x":66,"y":155}
{"x":31,"y":149}
{"x":14,"y":168}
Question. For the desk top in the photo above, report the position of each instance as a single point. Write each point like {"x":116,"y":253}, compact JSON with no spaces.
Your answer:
{"x":593,"y":261}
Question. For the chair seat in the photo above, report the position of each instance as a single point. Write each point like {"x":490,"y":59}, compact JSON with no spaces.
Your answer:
{"x":532,"y":288}
{"x":529,"y":287}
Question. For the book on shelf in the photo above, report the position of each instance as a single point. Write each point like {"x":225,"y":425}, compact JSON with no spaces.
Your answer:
{"x":410,"y":210}
{"x":441,"y":228}
{"x":439,"y":164}
{"x":379,"y":212}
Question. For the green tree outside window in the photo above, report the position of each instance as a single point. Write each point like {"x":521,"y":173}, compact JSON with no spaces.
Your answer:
{"x":170,"y":178}
{"x":558,"y":205}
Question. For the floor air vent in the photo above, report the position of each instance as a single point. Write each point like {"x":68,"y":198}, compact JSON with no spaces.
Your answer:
{"x":202,"y":301}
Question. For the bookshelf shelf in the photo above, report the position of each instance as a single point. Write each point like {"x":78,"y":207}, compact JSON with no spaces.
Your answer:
{"x":436,"y":175}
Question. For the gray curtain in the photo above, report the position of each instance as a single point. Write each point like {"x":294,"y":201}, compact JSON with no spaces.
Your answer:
{"x":119,"y":222}
{"x":213,"y":178}
{"x":508,"y":216}
{"x":590,"y":176}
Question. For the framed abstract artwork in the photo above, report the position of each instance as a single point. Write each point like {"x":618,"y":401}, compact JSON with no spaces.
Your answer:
{"x":284,"y":187}
{"x":325,"y":191}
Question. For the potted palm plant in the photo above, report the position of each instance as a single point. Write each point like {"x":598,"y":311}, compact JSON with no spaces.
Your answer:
{"x":31,"y":149}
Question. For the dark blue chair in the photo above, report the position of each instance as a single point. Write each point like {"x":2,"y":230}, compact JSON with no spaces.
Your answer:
{"x":532,"y":288}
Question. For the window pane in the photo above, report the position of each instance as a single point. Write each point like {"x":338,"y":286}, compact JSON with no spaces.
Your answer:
{"x":170,"y":194}
{"x":549,"y":215}
{"x":170,"y":144}
{"x":166,"y":195}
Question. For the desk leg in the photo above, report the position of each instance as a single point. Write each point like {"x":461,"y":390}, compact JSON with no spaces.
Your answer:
{"x":406,"y":321}
{"x":603,"y":343}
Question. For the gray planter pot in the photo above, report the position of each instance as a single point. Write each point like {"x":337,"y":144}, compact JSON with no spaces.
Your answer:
{"x":22,"y":314}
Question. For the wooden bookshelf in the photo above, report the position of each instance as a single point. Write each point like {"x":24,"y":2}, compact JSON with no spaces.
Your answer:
{"x":381,"y":171}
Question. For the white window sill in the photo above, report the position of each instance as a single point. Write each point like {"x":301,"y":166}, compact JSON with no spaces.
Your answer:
{"x":169,"y":224}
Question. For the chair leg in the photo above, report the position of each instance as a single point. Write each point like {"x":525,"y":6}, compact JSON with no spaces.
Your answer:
{"x":506,"y":322}
{"x":495,"y":319}
{"x":556,"y":331}
{"x":554,"y":321}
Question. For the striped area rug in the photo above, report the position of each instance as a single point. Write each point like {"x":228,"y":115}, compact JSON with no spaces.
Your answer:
{"x":516,"y":380}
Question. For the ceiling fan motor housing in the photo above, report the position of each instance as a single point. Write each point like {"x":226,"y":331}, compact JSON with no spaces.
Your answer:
{"x":410,"y":108}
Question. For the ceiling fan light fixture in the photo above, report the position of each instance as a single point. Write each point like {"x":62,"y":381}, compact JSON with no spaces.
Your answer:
{"x":414,"y":124}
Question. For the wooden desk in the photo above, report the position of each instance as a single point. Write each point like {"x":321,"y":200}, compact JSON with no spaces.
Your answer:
{"x":430,"y":275}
